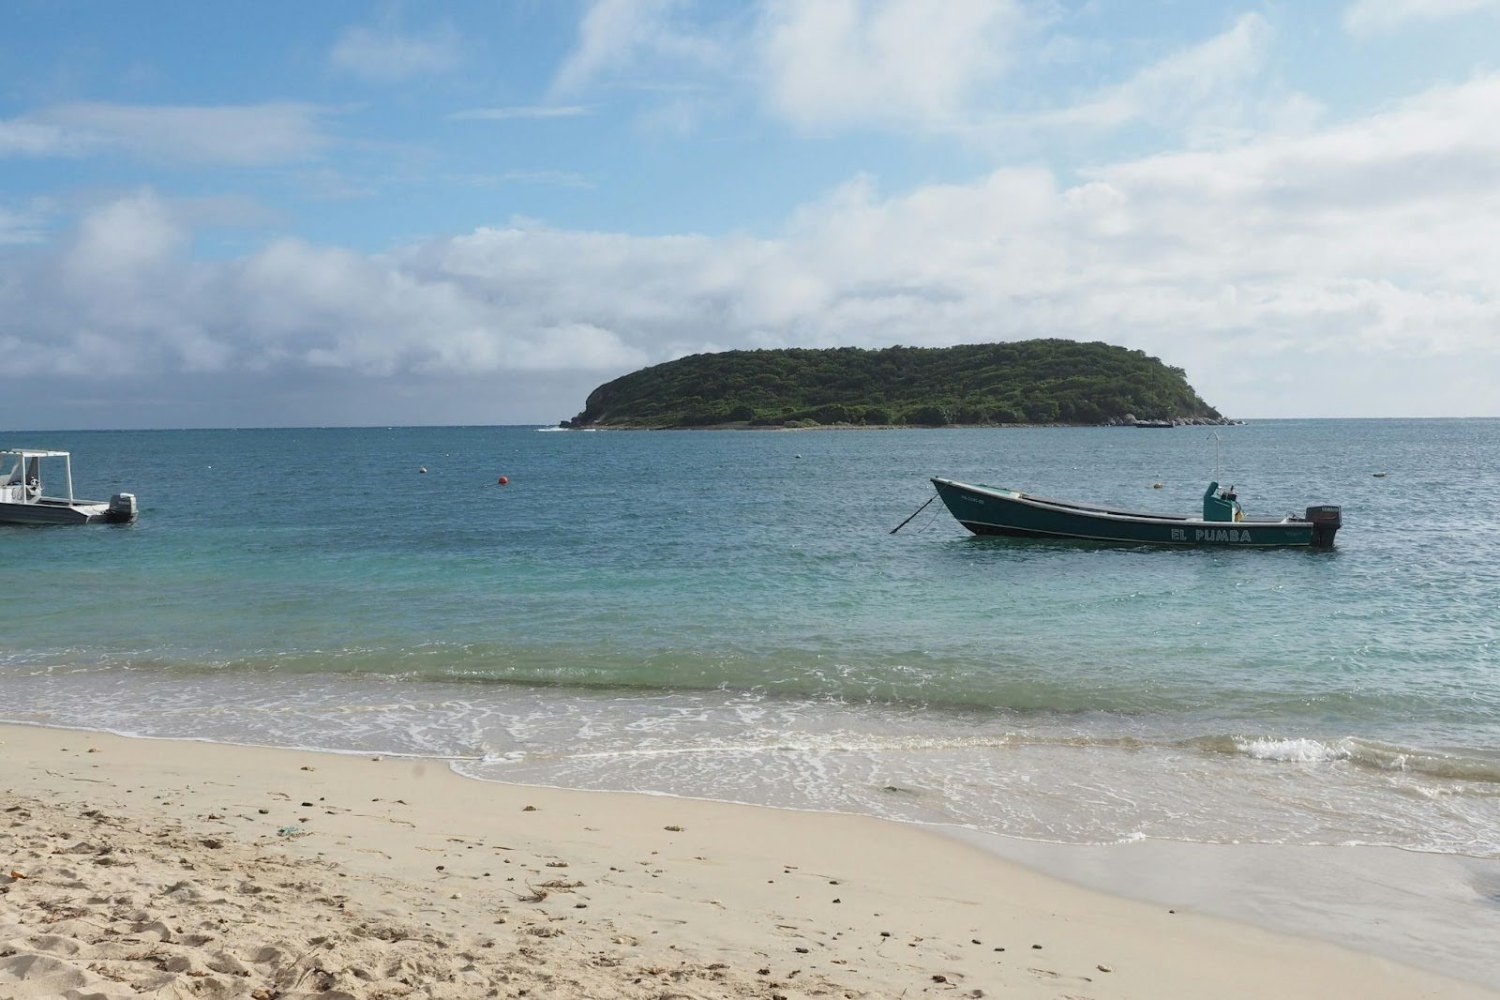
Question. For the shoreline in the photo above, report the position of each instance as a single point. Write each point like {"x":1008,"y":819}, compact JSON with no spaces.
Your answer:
{"x":1434,"y":911}
{"x":142,"y":865}
{"x":743,"y":425}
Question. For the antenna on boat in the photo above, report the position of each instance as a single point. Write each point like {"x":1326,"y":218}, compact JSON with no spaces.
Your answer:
{"x":1218,"y":458}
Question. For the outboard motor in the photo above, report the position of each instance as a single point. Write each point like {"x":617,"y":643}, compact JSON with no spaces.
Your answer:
{"x":122,"y":507}
{"x":1326,"y":521}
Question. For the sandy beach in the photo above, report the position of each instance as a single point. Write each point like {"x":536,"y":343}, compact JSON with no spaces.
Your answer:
{"x":151,"y":868}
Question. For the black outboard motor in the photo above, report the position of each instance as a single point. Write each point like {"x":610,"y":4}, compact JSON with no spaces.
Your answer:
{"x":1326,"y":521}
{"x":121,"y":508}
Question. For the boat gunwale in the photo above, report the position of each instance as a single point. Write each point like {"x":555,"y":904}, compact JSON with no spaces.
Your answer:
{"x":78,"y":504}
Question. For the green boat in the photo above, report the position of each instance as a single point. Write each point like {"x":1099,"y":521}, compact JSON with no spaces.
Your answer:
{"x":995,"y":510}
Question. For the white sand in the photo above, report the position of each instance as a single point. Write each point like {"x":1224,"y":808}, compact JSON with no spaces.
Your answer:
{"x":133,"y":868}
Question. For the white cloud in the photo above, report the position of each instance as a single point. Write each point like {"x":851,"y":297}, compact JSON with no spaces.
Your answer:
{"x":384,"y":54}
{"x":1205,"y":90}
{"x":557,"y":178}
{"x":909,"y":65}
{"x":1269,"y":270}
{"x":20,"y":137}
{"x":887,"y":62}
{"x":623,"y":37}
{"x":321,"y":307}
{"x":1184,"y":81}
{"x":521,"y":112}
{"x":1376,"y":17}
{"x":22,"y":225}
{"x":126,"y":243}
{"x":247,"y":135}
{"x":118,"y":298}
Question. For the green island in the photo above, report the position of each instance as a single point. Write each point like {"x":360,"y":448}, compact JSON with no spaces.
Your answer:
{"x":1021,"y":382}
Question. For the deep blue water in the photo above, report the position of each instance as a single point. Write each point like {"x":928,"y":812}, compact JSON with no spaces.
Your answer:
{"x":727,"y":614}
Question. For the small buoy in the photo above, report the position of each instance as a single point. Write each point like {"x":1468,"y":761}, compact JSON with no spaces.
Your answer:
{"x":503,"y":480}
{"x":1156,"y":486}
{"x":423,"y":470}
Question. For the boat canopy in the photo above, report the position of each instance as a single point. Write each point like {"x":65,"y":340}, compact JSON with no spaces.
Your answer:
{"x":28,"y":469}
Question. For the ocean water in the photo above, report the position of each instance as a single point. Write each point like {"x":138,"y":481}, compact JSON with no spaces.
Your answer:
{"x":727,"y":615}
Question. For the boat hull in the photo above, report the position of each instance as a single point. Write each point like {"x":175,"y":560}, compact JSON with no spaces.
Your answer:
{"x":62,"y":513}
{"x":990,"y":510}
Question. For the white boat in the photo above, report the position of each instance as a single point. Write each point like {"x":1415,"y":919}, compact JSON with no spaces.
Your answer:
{"x":23,"y":499}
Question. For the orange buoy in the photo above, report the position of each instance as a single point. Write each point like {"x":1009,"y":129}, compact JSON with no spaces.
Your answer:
{"x":503,"y":480}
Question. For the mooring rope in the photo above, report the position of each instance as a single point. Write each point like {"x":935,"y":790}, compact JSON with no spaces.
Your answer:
{"x":913,"y":514}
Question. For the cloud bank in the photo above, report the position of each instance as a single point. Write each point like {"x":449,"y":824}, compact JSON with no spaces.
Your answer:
{"x":1293,"y":267}
{"x":1271,"y":270}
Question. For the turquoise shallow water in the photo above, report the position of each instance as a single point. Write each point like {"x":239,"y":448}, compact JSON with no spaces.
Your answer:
{"x":726,"y":614}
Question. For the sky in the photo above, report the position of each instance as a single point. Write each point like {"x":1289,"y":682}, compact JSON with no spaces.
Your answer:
{"x":285,"y":213}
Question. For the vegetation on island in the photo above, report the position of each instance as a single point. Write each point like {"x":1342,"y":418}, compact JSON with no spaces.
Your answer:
{"x":1022,"y":382}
